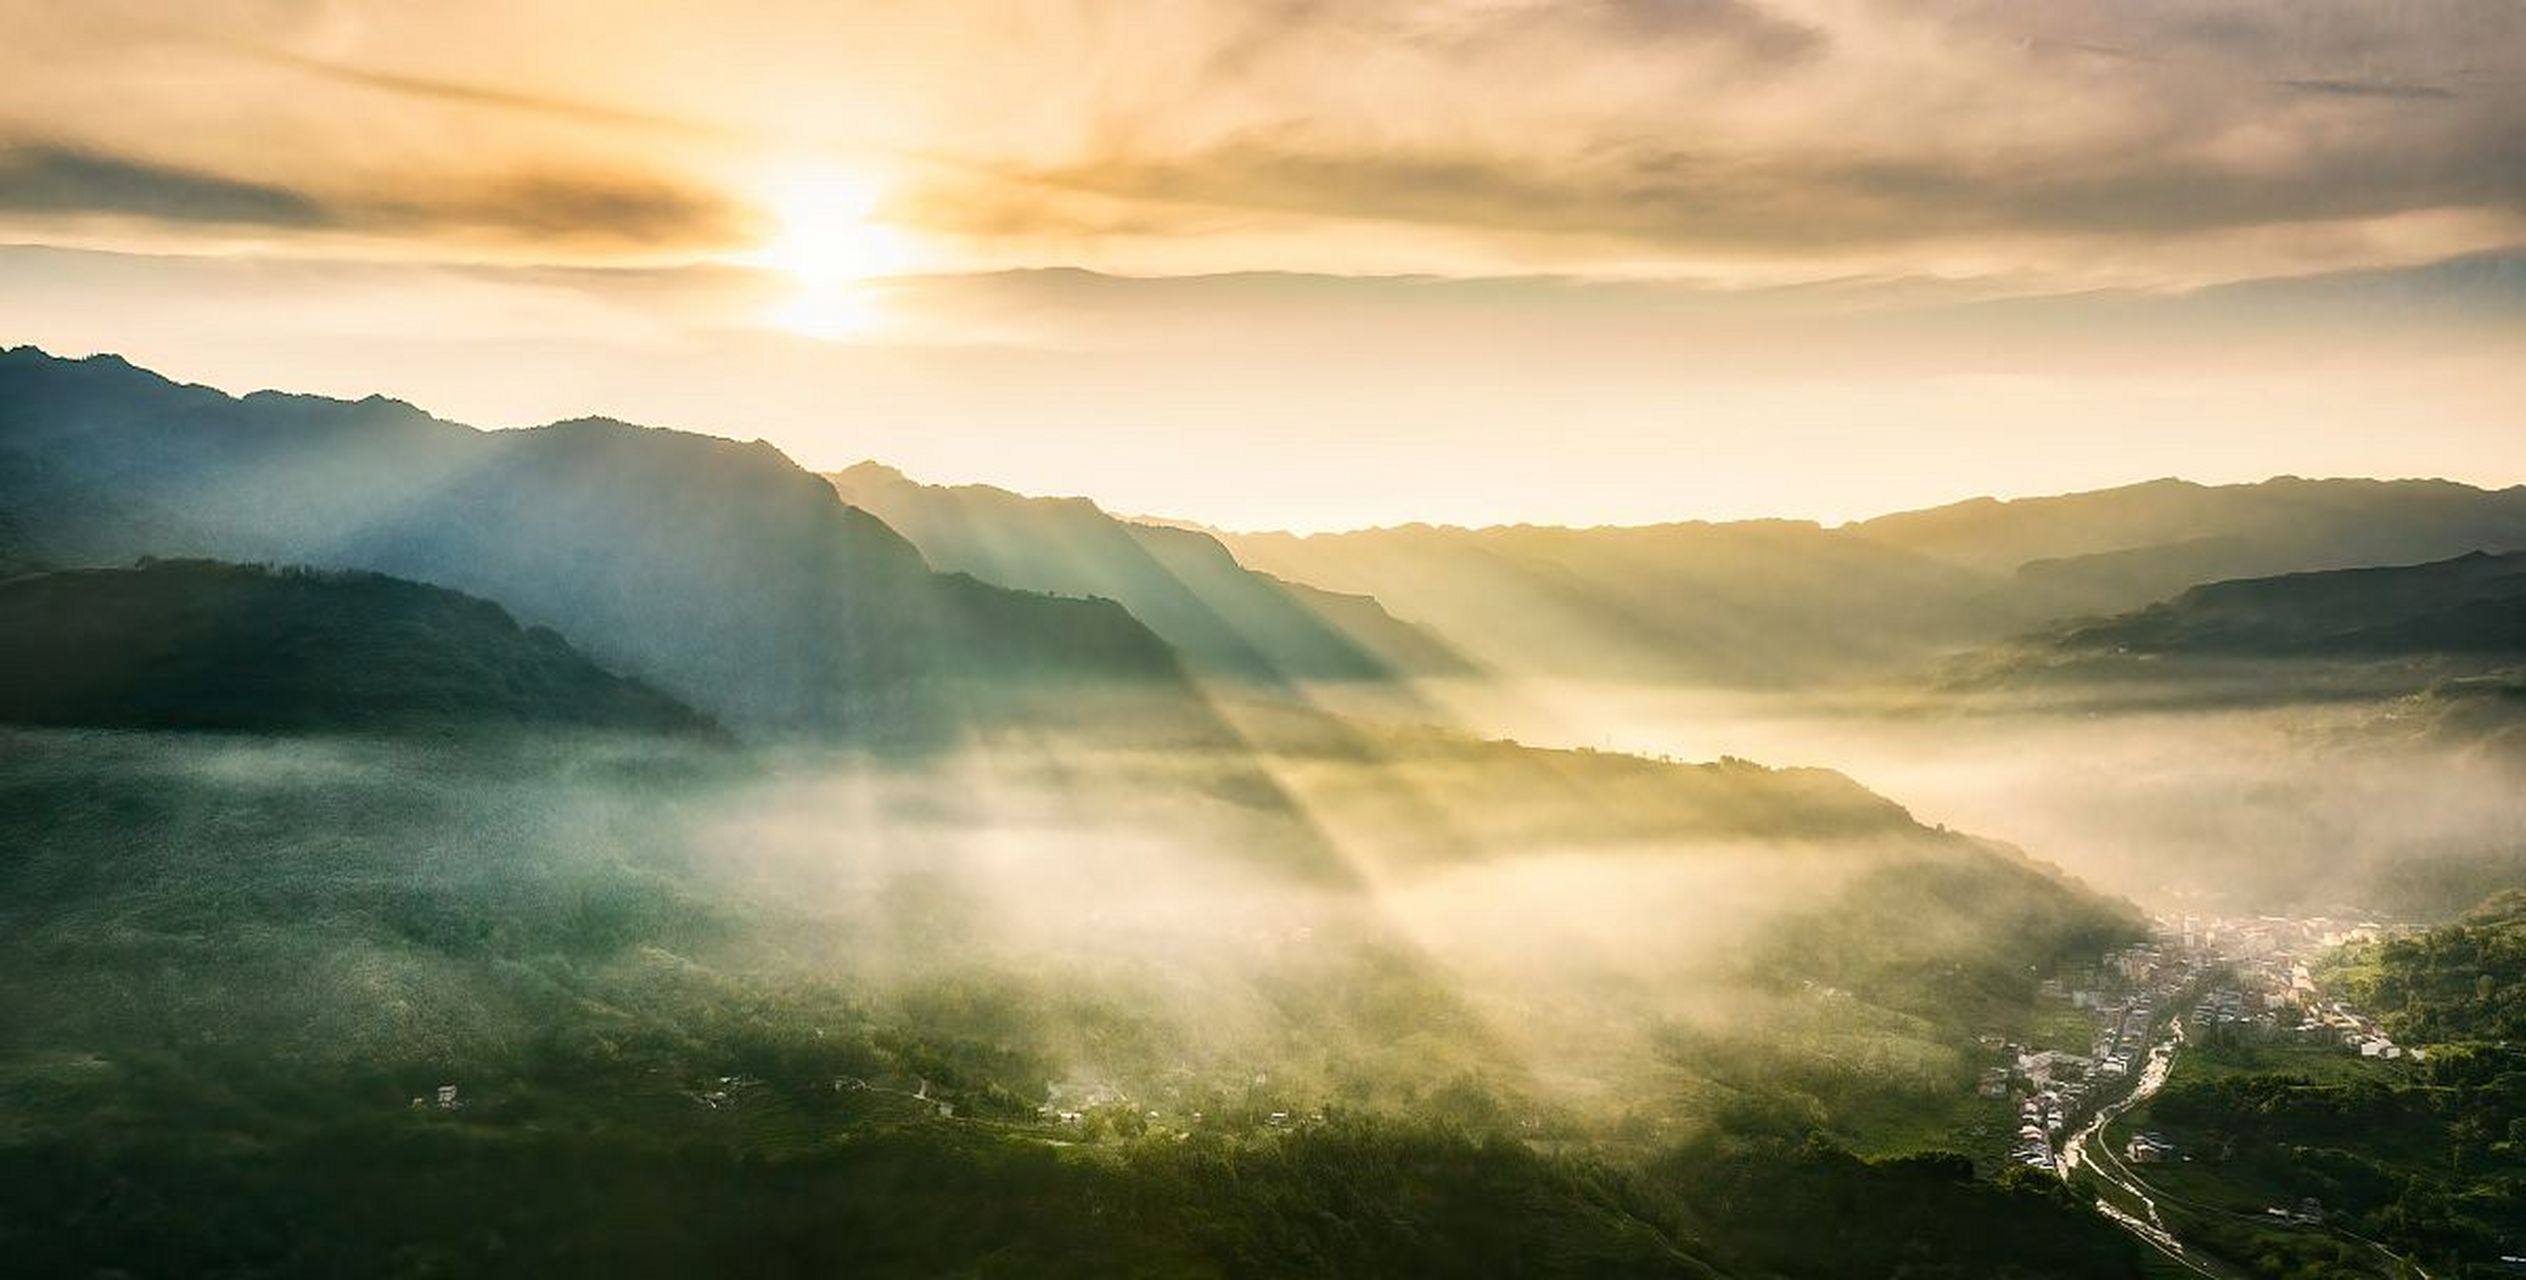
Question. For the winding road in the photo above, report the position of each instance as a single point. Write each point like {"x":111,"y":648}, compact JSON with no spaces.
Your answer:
{"x":2109,"y":1168}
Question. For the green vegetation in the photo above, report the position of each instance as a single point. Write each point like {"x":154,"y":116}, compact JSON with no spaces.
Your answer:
{"x":2462,"y":983}
{"x":1764,"y":603}
{"x":2474,"y":603}
{"x":719,"y":572}
{"x":2438,"y":630}
{"x":687,"y":1034}
{"x":201,"y":645}
{"x":1223,"y":617}
{"x":2425,"y":1158}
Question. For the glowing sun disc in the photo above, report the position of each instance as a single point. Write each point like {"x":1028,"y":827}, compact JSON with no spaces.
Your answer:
{"x":828,"y":231}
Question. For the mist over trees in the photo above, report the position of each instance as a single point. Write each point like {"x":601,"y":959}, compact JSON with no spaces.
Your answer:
{"x":718,"y":571}
{"x":195,"y":644}
{"x":1762,"y":604}
{"x":598,"y":849}
{"x":1225,"y":619}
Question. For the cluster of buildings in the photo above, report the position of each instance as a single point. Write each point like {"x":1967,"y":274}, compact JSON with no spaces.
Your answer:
{"x":2227,"y":976}
{"x":2122,"y":1033}
{"x":2273,"y":991}
{"x":1069,"y":1101}
{"x":2041,"y":1118}
{"x":2123,"y":993}
{"x":1096,"y":1105}
{"x":442,"y":1098}
{"x":2149,"y":1148}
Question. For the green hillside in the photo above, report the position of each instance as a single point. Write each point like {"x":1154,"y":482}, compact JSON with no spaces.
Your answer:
{"x":202,"y":645}
{"x":1766,"y":603}
{"x":711,"y":1012}
{"x":1225,"y":618}
{"x":2425,"y":1156}
{"x":718,"y":571}
{"x":2472,"y":605}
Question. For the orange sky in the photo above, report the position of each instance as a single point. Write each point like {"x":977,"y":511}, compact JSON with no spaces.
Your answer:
{"x":1307,"y":264}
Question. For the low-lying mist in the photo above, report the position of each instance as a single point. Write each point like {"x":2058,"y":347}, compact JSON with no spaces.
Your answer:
{"x":2389,"y":805}
{"x":1558,"y":944}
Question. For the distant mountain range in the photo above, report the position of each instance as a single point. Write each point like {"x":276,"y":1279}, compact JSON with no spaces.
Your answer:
{"x":2454,"y":628}
{"x":203,"y":645}
{"x":719,"y":571}
{"x":1770,"y":602}
{"x":2472,"y":605}
{"x":863,"y":604}
{"x":1226,"y":619}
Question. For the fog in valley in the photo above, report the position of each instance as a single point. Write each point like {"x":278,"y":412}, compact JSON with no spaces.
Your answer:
{"x":419,"y":856}
{"x":1442,"y":927}
{"x":2341,"y":808}
{"x":1258,"y":639}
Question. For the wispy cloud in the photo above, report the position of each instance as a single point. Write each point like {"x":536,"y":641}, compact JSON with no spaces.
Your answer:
{"x":46,"y":178}
{"x":2370,"y":89}
{"x":462,"y":93}
{"x":618,"y":210}
{"x":1937,"y":135}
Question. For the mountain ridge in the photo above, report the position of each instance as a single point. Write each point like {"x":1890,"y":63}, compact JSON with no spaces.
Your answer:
{"x":1228,"y":620}
{"x":1770,"y":602}
{"x":205,"y":645}
{"x":719,"y":570}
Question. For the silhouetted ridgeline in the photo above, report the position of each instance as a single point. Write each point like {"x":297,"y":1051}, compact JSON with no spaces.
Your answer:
{"x":203,"y":645}
{"x":1225,"y":618}
{"x":2456,"y":628}
{"x":2474,"y":605}
{"x":1774,"y":601}
{"x":720,"y":571}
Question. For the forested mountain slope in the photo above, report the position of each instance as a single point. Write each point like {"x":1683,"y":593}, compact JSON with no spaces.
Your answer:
{"x":719,"y":571}
{"x":1758,"y":603}
{"x":205,"y":645}
{"x":1225,"y":618}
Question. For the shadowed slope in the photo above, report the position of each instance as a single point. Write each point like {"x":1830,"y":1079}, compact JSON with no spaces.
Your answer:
{"x":2473,"y":604}
{"x":200,"y":645}
{"x":1226,"y":619}
{"x":1766,"y":602}
{"x":719,"y":570}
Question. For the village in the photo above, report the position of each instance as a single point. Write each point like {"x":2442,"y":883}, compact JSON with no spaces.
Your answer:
{"x":2271,"y":989}
{"x":2124,"y":995}
{"x":2249,"y":977}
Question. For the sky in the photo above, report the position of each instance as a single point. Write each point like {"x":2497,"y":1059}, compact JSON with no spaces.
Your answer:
{"x":1322,"y":263}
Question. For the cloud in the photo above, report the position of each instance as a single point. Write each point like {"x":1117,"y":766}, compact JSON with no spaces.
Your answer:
{"x":1632,"y":130}
{"x":1634,"y":191}
{"x":625,"y":210}
{"x":2369,"y":89}
{"x":1756,"y":31}
{"x":42,"y":178}
{"x":490,"y":96}
{"x":1615,"y":134}
{"x":584,"y":209}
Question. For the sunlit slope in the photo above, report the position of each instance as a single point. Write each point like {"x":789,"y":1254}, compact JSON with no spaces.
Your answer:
{"x":2452,"y":632}
{"x":1224,"y":618}
{"x":719,"y":571}
{"x":1585,"y":941}
{"x":1764,"y":603}
{"x":2418,"y":1152}
{"x":205,"y":645}
{"x":1316,"y":998}
{"x":841,"y":1006}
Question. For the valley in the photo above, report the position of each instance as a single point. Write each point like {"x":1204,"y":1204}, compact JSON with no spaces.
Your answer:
{"x":431,"y":851}
{"x":1262,"y":640}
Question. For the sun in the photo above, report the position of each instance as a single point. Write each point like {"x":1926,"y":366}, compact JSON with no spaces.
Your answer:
{"x":832,"y":245}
